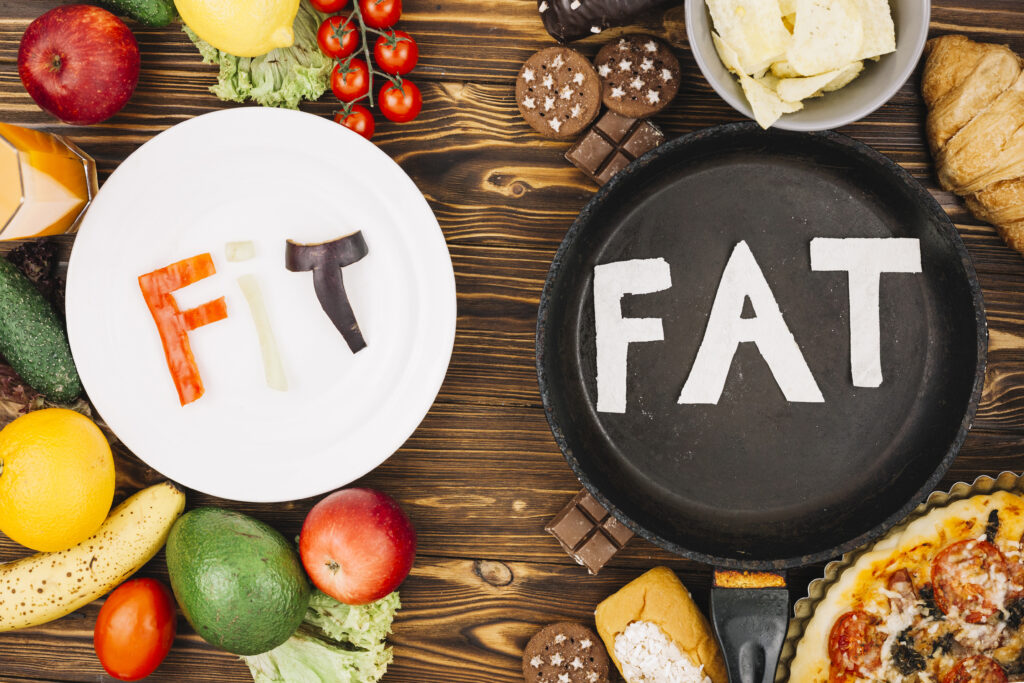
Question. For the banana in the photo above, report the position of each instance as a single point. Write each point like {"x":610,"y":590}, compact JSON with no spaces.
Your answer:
{"x":47,"y":586}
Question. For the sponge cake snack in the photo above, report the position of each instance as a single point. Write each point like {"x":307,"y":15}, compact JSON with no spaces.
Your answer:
{"x":652,"y":624}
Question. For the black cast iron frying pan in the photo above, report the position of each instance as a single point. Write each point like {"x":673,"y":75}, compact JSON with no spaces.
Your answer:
{"x":757,"y":482}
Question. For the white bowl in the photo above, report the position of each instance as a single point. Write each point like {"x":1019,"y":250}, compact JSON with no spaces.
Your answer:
{"x":874,"y":87}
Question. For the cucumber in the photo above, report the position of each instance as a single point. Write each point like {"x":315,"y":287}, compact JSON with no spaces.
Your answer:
{"x":32,"y":338}
{"x":148,"y":12}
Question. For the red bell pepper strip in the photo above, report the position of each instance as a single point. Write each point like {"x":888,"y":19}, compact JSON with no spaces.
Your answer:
{"x":174,"y":324}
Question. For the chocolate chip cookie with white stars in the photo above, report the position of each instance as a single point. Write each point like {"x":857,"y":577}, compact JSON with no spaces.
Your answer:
{"x":639,"y":75}
{"x":558,"y":92}
{"x":566,"y":652}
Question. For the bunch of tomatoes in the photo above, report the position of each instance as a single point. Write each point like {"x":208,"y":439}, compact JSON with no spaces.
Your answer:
{"x":395,"y":54}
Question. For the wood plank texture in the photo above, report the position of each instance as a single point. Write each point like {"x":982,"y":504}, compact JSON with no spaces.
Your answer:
{"x":482,"y":474}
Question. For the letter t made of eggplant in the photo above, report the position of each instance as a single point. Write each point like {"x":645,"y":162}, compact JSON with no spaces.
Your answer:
{"x":326,"y":261}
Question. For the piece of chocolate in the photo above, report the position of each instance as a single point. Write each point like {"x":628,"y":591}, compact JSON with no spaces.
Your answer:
{"x":588,"y":533}
{"x":326,"y":261}
{"x":611,"y":144}
{"x":568,"y":20}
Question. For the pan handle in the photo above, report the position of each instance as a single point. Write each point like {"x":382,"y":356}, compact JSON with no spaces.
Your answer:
{"x":750,"y":624}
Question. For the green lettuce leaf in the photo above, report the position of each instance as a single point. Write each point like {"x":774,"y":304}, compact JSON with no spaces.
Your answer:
{"x":336,"y":644}
{"x":282,"y":77}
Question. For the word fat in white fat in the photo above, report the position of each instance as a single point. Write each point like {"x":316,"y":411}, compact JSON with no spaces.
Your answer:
{"x":863,"y":259}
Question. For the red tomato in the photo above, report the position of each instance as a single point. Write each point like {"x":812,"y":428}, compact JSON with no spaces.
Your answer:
{"x":380,"y":13}
{"x":966,"y":576}
{"x":400,"y":104}
{"x":358,"y":119}
{"x":396,"y":52}
{"x":328,"y":6}
{"x":976,"y":669}
{"x":337,"y":38}
{"x":350,"y":82}
{"x":135,"y":629}
{"x":855,"y":644}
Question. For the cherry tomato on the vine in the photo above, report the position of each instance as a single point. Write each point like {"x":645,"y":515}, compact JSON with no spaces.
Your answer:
{"x":328,"y":6}
{"x":380,"y":13}
{"x":135,"y":629}
{"x":337,"y":38}
{"x":396,"y":52}
{"x":400,"y":104}
{"x":350,"y":82}
{"x":358,"y":119}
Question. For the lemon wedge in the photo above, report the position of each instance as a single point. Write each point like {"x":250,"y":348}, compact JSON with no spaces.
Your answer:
{"x":243,"y":28}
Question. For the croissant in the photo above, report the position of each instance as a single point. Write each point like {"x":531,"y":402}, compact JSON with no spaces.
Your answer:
{"x":974,"y":93}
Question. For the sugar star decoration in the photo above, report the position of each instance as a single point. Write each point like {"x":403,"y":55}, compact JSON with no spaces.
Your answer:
{"x":555,"y":124}
{"x":560,"y":638}
{"x":636,"y":83}
{"x":575,"y":111}
{"x":528,"y":75}
{"x":603,"y":71}
{"x":618,"y":92}
{"x":622,"y":44}
{"x":653,"y":96}
{"x":557,"y":62}
{"x":548,"y":81}
{"x":576,"y":663}
{"x":578,"y":78}
{"x":556,"y":659}
{"x":529,"y":103}
{"x":585,"y":643}
{"x":566,"y":93}
{"x":549,"y":103}
{"x":563,"y":678}
{"x":592,"y":677}
{"x":625,"y":65}
{"x":647,"y":64}
{"x":651,"y":46}
{"x":536,"y":661}
{"x":666,"y":75}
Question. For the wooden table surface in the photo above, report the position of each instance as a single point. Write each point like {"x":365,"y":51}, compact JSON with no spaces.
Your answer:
{"x":482,"y":474}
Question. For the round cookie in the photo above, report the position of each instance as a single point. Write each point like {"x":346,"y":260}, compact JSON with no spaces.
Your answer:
{"x":558,"y":92}
{"x":639,"y":75}
{"x":566,"y":652}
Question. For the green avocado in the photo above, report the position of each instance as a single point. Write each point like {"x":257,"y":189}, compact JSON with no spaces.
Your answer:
{"x":237,"y":580}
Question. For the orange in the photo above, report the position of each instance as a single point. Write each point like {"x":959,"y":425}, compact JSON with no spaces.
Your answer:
{"x":56,"y":479}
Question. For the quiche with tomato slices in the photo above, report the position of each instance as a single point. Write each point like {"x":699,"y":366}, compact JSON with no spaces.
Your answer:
{"x":941,"y":601}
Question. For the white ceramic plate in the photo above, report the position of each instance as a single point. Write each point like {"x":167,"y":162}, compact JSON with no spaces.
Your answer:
{"x":264,"y":175}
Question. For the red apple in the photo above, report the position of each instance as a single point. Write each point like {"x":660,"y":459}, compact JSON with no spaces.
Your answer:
{"x":80,"y":63}
{"x":357,"y":545}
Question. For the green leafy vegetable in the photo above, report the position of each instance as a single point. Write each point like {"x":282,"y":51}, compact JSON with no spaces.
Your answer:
{"x":282,"y":77}
{"x":337,"y":643}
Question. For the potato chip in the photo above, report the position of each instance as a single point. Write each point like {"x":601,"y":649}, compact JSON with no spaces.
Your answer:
{"x":879,"y":31}
{"x":828,"y":35}
{"x":754,"y":29}
{"x":767,"y":105}
{"x":846,"y":74}
{"x":784,"y":69}
{"x":729,"y":58}
{"x":762,"y":98}
{"x":796,"y":89}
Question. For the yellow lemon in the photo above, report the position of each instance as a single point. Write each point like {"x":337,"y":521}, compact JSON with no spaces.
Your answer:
{"x":56,"y":479}
{"x":243,"y":28}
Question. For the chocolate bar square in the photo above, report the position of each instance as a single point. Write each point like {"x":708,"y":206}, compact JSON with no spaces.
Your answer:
{"x":587,"y":532}
{"x":613,"y":143}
